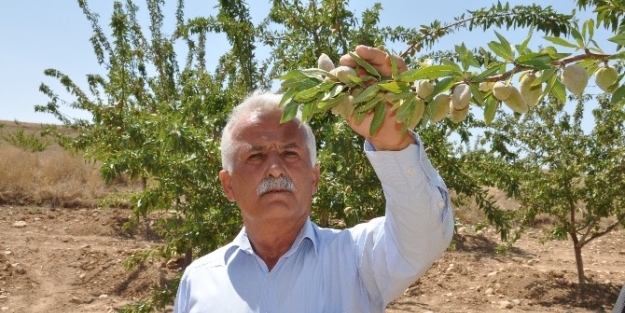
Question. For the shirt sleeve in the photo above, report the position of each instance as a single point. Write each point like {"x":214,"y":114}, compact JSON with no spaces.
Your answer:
{"x":181,"y":304}
{"x":395,"y":250}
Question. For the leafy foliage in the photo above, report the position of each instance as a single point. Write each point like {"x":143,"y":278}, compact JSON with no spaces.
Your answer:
{"x":157,"y":119}
{"x":30,"y":142}
{"x":568,"y":174}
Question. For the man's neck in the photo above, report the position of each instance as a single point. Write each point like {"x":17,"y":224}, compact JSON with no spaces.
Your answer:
{"x":271,"y":242}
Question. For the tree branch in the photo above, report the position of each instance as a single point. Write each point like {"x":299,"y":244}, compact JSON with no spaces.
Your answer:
{"x":563,"y":62}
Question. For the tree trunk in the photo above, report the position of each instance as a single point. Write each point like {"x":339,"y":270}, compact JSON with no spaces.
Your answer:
{"x":580,"y":266}
{"x":188,"y":258}
{"x":325,"y":219}
{"x":579,"y":263}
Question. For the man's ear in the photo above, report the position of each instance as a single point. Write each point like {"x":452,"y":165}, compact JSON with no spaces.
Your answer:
{"x":226,"y":185}
{"x":316,"y":172}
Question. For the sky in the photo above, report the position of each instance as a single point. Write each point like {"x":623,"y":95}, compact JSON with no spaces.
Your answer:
{"x":41,"y":34}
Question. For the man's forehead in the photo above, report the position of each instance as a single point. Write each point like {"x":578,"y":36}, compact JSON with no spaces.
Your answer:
{"x":261,"y":146}
{"x":256,"y":116}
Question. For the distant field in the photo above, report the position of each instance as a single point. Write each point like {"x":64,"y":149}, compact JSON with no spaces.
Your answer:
{"x":52,"y":177}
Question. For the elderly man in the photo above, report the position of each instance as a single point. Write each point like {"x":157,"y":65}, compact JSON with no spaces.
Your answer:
{"x":281,"y":261}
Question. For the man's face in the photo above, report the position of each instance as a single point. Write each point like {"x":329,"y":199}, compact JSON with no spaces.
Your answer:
{"x":266,"y":149}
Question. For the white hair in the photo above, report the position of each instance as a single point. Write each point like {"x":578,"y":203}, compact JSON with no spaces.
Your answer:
{"x":259,"y":101}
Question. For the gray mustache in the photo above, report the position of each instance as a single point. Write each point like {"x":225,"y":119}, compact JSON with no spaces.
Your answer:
{"x":281,"y":183}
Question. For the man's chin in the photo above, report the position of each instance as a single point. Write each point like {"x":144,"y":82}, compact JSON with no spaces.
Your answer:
{"x":277,"y":201}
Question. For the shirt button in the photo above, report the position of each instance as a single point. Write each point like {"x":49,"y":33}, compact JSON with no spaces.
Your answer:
{"x":441,"y":204}
{"x":269,"y":277}
{"x":411,"y":171}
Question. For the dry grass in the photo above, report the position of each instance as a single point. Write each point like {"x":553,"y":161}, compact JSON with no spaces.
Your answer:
{"x":52,"y":177}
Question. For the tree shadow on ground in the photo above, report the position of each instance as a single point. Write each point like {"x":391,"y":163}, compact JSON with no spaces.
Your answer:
{"x":131,"y":229}
{"x":483,"y":246}
{"x":596,"y":296}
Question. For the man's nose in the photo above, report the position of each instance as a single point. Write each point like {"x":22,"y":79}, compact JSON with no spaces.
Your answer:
{"x":276,"y":164}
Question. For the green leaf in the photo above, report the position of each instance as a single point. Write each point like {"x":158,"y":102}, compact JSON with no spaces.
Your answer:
{"x":490,"y":109}
{"x":501,"y":51}
{"x":394,"y":86}
{"x":548,"y":86}
{"x":359,"y":117}
{"x":331,"y":102}
{"x":590,"y":26}
{"x":529,"y":56}
{"x":560,"y":42}
{"x":316,"y":72}
{"x":430,"y":72}
{"x":308,"y":109}
{"x":617,"y":56}
{"x":360,"y":80}
{"x":477,"y":94}
{"x":617,"y":97}
{"x":488,"y":72}
{"x":288,"y":96}
{"x":367,"y":94}
{"x":378,"y":118}
{"x":451,"y":63}
{"x":300,"y":83}
{"x":356,"y":80}
{"x":596,"y":46}
{"x":524,"y":44}
{"x":394,"y":70}
{"x":577,"y":36}
{"x":504,"y":42}
{"x":538,"y":61}
{"x":442,"y":86}
{"x":559,"y":91}
{"x":290,"y":111}
{"x":406,"y":109}
{"x":307,"y":94}
{"x":466,"y":57}
{"x":337,"y":89}
{"x":554,"y":54}
{"x":365,"y":65}
{"x":618,"y":39}
{"x":292,"y":74}
{"x":544,"y":76}
{"x":396,"y":97}
{"x":369,"y":105}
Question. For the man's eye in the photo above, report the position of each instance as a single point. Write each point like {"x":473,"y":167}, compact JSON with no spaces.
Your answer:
{"x":290,"y":154}
{"x":257,"y":156}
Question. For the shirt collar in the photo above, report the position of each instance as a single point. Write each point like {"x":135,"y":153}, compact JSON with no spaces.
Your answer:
{"x":307,"y":232}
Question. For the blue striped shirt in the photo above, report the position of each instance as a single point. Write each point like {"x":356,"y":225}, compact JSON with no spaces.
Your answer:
{"x":360,"y":269}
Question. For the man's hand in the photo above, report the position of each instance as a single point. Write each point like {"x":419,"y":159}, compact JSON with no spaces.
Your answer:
{"x":389,"y":136}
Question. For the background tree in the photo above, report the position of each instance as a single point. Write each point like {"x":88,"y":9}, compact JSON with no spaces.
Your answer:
{"x":563,"y":172}
{"x":157,"y":118}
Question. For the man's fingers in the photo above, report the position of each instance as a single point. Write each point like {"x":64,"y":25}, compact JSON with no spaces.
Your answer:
{"x":347,"y":61}
{"x":377,"y":58}
{"x":371,"y":55}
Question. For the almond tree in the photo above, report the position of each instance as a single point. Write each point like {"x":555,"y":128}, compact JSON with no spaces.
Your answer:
{"x":571,"y":175}
{"x":157,"y":119}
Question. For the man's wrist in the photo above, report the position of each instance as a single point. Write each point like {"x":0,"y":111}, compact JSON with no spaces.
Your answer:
{"x":405,"y":140}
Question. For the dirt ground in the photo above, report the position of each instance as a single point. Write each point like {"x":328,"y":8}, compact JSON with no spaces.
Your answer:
{"x":70,"y":260}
